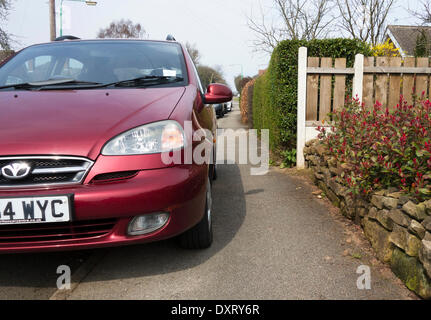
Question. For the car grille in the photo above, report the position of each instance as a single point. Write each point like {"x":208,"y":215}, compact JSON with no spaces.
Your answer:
{"x":48,"y":232}
{"x":115,"y":176}
{"x":47,"y":171}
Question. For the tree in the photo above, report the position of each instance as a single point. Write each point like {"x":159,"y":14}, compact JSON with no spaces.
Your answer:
{"x":422,"y":48}
{"x":194,"y":53}
{"x":122,"y":29}
{"x":424,"y":14}
{"x":294,"y":19}
{"x":210,"y":75}
{"x":5,"y":38}
{"x":365,"y":20}
{"x":207,"y":74}
{"x":240,"y":82}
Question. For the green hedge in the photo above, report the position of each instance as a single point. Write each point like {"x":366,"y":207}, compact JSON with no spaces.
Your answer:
{"x":275,"y":92}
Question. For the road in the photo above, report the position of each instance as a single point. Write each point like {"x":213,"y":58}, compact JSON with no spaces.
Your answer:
{"x":274,"y":239}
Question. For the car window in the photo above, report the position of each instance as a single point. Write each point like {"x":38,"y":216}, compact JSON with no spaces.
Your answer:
{"x":72,"y":68}
{"x":43,"y":67}
{"x":95,"y":61}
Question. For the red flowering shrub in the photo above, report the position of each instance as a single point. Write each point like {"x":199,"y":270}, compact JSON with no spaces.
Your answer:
{"x":382,"y":148}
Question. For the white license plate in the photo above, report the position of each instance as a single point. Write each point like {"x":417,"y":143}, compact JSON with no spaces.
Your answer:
{"x":26,"y":210}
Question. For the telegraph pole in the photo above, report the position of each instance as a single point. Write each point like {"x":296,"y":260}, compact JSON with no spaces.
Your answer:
{"x":53,"y":27}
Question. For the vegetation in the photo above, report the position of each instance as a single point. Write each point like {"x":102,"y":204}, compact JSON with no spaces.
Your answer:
{"x":207,"y":74}
{"x":122,"y":29}
{"x":386,"y":49}
{"x":275,"y":92}
{"x":246,"y":103}
{"x":210,"y":75}
{"x":364,"y":20}
{"x":382,"y":148}
{"x":241,"y":81}
{"x":422,"y":48}
{"x":288,"y":158}
{"x":194,"y":53}
{"x":5,"y":37}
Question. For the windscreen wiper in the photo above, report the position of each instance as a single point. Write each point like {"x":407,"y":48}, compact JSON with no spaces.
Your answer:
{"x":145,"y":81}
{"x":77,"y":84}
{"x":50,"y":84}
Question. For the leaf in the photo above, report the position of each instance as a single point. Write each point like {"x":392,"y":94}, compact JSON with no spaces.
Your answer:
{"x":425,"y":191}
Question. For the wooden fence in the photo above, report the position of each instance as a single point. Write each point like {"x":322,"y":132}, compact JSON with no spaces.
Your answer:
{"x":324,"y":84}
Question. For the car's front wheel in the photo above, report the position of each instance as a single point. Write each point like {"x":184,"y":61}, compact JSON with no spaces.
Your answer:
{"x":201,"y":235}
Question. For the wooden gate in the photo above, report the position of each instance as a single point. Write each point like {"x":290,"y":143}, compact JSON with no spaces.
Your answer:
{"x":325,"y":83}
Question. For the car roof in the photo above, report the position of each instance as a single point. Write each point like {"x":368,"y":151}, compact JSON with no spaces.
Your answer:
{"x":101,"y":40}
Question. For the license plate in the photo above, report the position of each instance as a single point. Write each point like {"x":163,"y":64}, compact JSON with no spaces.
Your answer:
{"x":26,"y":210}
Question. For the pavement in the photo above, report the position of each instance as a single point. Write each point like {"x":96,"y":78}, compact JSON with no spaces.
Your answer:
{"x":273,"y":239}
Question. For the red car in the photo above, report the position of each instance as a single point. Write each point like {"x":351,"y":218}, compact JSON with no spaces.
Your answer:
{"x":83,"y":129}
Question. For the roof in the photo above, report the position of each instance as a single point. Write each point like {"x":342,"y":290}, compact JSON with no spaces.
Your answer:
{"x":101,"y":40}
{"x":404,"y":37}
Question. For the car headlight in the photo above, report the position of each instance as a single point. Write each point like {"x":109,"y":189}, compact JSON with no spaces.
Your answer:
{"x":158,"y":137}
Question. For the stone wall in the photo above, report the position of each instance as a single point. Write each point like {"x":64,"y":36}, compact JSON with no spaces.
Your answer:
{"x":398,"y":227}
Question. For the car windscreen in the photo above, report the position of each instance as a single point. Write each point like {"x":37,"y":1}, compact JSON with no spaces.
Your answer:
{"x":96,"y":61}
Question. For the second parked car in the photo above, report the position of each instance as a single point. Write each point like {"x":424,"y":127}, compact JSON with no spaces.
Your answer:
{"x":229,"y":106}
{"x":220,"y":109}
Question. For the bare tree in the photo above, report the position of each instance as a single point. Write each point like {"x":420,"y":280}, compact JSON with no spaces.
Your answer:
{"x":240,"y":82}
{"x":210,"y":75}
{"x":194,"y":53}
{"x":365,"y":19}
{"x":122,"y":29}
{"x":293,"y":19}
{"x":424,"y":14}
{"x":5,"y":38}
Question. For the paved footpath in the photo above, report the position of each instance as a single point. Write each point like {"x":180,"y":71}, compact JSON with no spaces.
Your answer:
{"x":273,"y":240}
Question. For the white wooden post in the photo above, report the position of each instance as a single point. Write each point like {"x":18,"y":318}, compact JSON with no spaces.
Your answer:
{"x":358,"y":80}
{"x":302,"y":104}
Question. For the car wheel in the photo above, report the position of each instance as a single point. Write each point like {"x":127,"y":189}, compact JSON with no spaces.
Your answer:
{"x":214,"y":172}
{"x":201,"y":235}
{"x":213,"y":166}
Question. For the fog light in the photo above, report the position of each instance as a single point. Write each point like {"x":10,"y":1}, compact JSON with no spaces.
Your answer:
{"x":148,"y":223}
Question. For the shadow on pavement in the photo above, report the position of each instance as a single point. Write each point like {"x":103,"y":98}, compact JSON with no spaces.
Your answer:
{"x":37,"y":272}
{"x":229,"y":210}
{"x":34,"y":276}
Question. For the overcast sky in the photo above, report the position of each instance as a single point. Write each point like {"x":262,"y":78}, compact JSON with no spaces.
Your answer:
{"x":218,"y":28}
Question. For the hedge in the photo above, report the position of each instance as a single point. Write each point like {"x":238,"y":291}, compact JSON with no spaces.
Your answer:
{"x":275,"y":92}
{"x":246,"y":103}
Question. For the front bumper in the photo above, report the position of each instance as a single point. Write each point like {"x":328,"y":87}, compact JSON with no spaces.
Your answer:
{"x":179,"y":190}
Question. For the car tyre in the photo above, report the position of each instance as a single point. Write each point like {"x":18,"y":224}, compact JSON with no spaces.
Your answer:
{"x":213,"y":165}
{"x":201,"y":235}
{"x":214,"y":172}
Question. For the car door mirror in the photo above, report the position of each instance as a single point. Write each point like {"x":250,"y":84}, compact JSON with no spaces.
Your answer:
{"x":218,"y":93}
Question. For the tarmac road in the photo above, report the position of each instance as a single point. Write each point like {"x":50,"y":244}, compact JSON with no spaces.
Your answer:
{"x":273,"y":239}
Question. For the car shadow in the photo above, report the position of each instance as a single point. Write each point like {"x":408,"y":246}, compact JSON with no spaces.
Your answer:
{"x":39,"y":270}
{"x":229,"y":211}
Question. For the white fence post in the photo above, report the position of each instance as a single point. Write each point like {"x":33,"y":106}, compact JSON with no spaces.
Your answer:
{"x":358,"y":80}
{"x":302,"y":104}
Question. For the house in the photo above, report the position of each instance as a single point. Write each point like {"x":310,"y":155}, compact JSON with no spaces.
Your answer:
{"x":405,"y":38}
{"x":261,"y":72}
